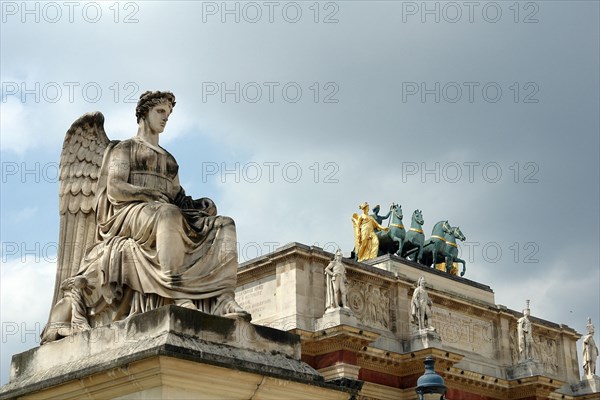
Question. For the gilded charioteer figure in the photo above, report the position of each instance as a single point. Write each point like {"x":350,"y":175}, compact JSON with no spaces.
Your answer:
{"x":366,"y":243}
{"x":131,"y":240}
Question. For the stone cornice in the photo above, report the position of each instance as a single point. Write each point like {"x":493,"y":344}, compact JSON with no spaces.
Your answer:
{"x":407,"y":363}
{"x":369,"y":277}
{"x":265,"y":265}
{"x":341,"y":337}
{"x":398,"y":260}
{"x":476,"y":383}
{"x":540,"y":386}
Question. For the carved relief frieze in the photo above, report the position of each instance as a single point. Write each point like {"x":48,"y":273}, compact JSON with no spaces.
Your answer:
{"x":545,"y":349}
{"x":370,"y":303}
{"x":548,"y":354}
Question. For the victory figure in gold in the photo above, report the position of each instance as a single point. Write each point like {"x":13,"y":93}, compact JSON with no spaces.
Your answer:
{"x":365,"y":240}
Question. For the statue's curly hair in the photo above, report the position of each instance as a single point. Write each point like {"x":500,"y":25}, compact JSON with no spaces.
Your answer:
{"x":150,"y":99}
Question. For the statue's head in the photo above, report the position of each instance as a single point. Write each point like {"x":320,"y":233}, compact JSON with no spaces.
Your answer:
{"x":151,"y":99}
{"x":338,"y":254}
{"x":376,"y":209}
{"x":457,"y":233}
{"x":590,"y":327}
{"x":418,"y":217}
{"x":527,"y":310}
{"x":364,"y":206}
{"x":421,"y":282}
{"x":446,"y":227}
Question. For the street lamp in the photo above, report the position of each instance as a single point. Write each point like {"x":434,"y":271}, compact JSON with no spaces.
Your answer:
{"x":430,"y":384}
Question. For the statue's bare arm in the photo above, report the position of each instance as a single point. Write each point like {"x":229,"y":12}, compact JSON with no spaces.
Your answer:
{"x":376,"y":225}
{"x":119,"y":190}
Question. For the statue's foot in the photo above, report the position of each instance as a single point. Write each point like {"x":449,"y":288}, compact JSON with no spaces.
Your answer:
{"x":233,"y":310}
{"x":186,"y":303}
{"x":229,"y":308}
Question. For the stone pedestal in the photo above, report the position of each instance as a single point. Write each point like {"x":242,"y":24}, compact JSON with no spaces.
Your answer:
{"x":589,"y":385}
{"x":170,"y":352}
{"x":424,"y":339}
{"x":587,"y":388}
{"x":592,"y":382}
{"x":525,"y":369}
{"x":337,"y":316}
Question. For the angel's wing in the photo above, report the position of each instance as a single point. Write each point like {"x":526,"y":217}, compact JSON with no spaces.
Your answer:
{"x":356,"y":232}
{"x":80,"y":162}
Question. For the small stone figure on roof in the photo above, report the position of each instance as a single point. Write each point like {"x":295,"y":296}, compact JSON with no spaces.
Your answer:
{"x":525,"y":335}
{"x":336,"y":283}
{"x":590,"y":351}
{"x":420,"y":307}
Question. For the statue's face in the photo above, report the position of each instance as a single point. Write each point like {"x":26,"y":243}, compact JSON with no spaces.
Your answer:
{"x":158,"y":116}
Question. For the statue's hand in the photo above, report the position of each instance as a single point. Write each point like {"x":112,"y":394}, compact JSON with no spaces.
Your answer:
{"x":195,"y":215}
{"x":207,"y":205}
{"x":150,"y":195}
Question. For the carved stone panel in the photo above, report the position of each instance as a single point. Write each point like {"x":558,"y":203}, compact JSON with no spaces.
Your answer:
{"x":548,"y":354}
{"x":514,"y":345}
{"x":370,"y":304}
{"x":464,"y":331}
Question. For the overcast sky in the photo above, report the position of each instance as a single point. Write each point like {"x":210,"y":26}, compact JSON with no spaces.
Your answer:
{"x":290,"y":114}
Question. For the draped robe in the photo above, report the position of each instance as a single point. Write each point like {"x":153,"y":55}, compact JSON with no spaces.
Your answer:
{"x":122,"y":269}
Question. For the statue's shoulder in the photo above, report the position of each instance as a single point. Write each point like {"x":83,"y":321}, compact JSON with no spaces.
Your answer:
{"x":119,"y":145}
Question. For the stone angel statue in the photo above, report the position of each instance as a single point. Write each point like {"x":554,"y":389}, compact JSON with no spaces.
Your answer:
{"x":131,"y":240}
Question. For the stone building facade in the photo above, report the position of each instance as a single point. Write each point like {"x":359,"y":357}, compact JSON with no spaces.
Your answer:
{"x":375,"y":346}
